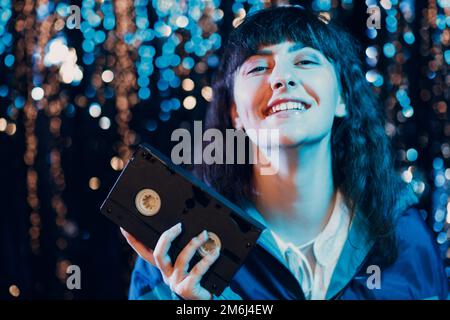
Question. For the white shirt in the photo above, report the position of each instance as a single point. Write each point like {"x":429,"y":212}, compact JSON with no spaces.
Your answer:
{"x":327,"y":247}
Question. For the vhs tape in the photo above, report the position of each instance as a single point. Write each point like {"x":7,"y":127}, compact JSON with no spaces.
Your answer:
{"x":152,"y":194}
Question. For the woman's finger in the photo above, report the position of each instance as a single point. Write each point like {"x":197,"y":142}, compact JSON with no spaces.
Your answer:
{"x":143,"y":251}
{"x":199,"y":270}
{"x":161,"y":252}
{"x":185,"y":256}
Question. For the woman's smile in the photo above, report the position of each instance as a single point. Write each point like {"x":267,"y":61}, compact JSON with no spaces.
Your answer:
{"x":287,"y":87}
{"x":281,"y":105}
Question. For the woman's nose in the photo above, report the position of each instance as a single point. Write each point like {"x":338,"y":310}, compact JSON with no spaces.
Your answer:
{"x":280,"y":83}
{"x":283,"y":77}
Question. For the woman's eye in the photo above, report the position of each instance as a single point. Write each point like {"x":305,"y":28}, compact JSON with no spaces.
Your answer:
{"x":257,"y":69}
{"x":306,"y":62}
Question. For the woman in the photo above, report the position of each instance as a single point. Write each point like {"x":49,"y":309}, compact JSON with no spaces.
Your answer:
{"x":339,"y":220}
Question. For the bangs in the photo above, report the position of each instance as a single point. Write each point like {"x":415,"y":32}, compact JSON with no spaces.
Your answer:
{"x":276,"y":25}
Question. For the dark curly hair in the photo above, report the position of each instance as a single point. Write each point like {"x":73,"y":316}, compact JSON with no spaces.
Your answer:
{"x":362,"y":162}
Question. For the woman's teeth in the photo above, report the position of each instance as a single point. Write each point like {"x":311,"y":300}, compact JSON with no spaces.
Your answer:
{"x":288,"y":106}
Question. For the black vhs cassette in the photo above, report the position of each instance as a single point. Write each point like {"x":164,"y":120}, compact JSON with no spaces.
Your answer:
{"x":152,"y":194}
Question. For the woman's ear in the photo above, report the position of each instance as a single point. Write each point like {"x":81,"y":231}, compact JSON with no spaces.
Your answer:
{"x":235,"y":119}
{"x":341,"y":108}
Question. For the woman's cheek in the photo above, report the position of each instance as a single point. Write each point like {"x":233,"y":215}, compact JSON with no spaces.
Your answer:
{"x":325,"y":91}
{"x":252,"y":97}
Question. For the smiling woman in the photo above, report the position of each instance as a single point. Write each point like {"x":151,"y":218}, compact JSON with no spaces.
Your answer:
{"x":287,"y":85}
{"x":335,"y":210}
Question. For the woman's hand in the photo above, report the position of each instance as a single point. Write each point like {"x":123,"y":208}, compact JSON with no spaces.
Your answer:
{"x":186,"y":285}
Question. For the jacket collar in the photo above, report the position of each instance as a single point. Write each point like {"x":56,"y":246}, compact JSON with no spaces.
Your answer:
{"x":358,"y":245}
{"x":355,"y":250}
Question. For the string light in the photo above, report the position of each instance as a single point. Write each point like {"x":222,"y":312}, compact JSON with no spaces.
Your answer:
{"x":3,"y":124}
{"x":125,"y":79}
{"x":107,"y":76}
{"x":14,"y":291}
{"x":188,"y":84}
{"x":104,"y":123}
{"x":207,"y":93}
{"x":189,"y":102}
{"x":393,"y":46}
{"x":94,"y":183}
{"x":435,"y":36}
{"x":24,"y":51}
{"x":52,"y":100}
{"x":5,"y":36}
{"x":116,"y":163}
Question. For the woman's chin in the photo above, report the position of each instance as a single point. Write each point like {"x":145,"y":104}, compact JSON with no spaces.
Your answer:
{"x":290,"y":141}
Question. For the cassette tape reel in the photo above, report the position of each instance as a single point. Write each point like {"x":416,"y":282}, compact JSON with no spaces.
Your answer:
{"x":152,"y":194}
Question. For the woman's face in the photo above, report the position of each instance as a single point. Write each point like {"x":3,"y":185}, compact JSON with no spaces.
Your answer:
{"x":290,"y":88}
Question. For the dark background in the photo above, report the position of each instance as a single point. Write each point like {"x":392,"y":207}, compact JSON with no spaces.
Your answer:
{"x":57,"y":164}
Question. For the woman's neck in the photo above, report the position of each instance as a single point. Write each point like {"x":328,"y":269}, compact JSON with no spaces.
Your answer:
{"x":298,"y":200}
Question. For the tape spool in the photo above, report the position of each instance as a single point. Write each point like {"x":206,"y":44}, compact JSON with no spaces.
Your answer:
{"x":210,"y":244}
{"x":148,"y":202}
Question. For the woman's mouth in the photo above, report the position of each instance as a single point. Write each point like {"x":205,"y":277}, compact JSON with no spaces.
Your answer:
{"x":288,"y":106}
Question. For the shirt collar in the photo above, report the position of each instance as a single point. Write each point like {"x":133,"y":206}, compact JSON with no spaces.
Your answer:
{"x":328,"y":243}
{"x":349,"y":256}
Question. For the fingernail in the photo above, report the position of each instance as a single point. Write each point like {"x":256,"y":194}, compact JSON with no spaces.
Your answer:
{"x":205,"y":234}
{"x":178,"y":226}
{"x":216,"y":251}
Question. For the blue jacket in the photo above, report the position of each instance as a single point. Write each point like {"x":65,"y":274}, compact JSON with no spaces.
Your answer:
{"x":417,"y":273}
